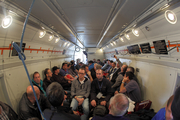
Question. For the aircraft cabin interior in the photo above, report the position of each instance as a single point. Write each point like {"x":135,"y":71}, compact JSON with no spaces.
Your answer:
{"x":143,"y":34}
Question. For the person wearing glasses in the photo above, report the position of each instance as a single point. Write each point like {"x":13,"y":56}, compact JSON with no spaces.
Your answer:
{"x":80,"y":90}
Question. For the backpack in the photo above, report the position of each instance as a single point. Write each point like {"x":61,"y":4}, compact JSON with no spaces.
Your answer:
{"x":100,"y":110}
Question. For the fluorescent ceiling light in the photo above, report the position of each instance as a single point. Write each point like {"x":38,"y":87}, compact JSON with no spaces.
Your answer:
{"x":51,"y":37}
{"x":114,"y":43}
{"x":121,"y":39}
{"x":170,"y":17}
{"x":57,"y":39}
{"x":111,"y":44}
{"x":135,"y":32}
{"x":7,"y":21}
{"x":127,"y":36}
{"x":42,"y":34}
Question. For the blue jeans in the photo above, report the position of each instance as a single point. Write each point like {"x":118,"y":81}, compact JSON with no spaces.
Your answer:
{"x":85,"y":106}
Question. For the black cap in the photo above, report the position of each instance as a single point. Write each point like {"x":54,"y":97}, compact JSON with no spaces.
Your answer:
{"x":175,"y":107}
{"x":54,"y":68}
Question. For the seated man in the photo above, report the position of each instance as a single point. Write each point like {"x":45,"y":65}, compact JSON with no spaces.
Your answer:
{"x":48,"y":78}
{"x":80,"y":91}
{"x":130,"y":87}
{"x":131,"y":69}
{"x":112,"y":70}
{"x":60,"y":79}
{"x":117,"y":108}
{"x":38,"y":82}
{"x":106,"y":65}
{"x":7,"y":113}
{"x":55,"y":95}
{"x":28,"y":107}
{"x":70,"y":70}
{"x":91,"y":64}
{"x":64,"y":72}
{"x":165,"y":113}
{"x":119,"y":78}
{"x":88,"y":73}
{"x":100,"y":90}
{"x":93,"y":70}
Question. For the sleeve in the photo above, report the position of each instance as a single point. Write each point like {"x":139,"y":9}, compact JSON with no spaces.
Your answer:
{"x":44,"y":103}
{"x":131,"y":86}
{"x":73,"y":89}
{"x":109,"y":91}
{"x":118,"y":81}
{"x":24,"y":115}
{"x":159,"y":115}
{"x":62,"y":72}
{"x":88,"y":89}
{"x":93,"y":91}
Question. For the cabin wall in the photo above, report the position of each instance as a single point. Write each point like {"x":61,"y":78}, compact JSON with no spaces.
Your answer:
{"x":13,"y":78}
{"x":95,"y":53}
{"x":158,"y":74}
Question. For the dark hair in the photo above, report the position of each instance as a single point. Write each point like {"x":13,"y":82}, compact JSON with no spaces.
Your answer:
{"x":131,"y":69}
{"x":35,"y":73}
{"x":54,"y":68}
{"x":84,"y":66}
{"x":72,"y":62}
{"x":98,"y":59}
{"x":90,"y":61}
{"x":82,"y":69}
{"x":55,"y":94}
{"x":69,"y":64}
{"x":46,"y":71}
{"x":111,"y":61}
{"x":170,"y":100}
{"x":63,"y":64}
{"x":114,"y":63}
{"x":130,"y":75}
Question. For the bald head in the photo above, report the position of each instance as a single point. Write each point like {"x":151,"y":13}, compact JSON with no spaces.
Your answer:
{"x":118,"y":105}
{"x":30,"y":93}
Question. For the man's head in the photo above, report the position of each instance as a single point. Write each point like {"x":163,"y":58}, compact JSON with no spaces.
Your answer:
{"x":98,"y":60}
{"x":99,"y":74}
{"x":113,"y":64}
{"x":68,"y":65}
{"x":64,"y":65}
{"x":90,"y":62}
{"x":123,"y":68}
{"x":36,"y":77}
{"x":30,"y":94}
{"x":130,"y":69}
{"x":118,"y":65}
{"x":129,"y":76}
{"x":55,"y":94}
{"x":86,"y":68}
{"x":81,"y":73}
{"x":118,"y":105}
{"x":48,"y":73}
{"x":175,"y":107}
{"x":55,"y":70}
{"x":168,"y":114}
{"x":81,"y":64}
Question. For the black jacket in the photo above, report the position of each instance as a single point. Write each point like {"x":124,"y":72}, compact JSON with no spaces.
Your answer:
{"x":93,"y":73}
{"x":105,"y":90}
{"x":59,"y":114}
{"x":9,"y":111}
{"x":46,"y":83}
{"x":27,"y":110}
{"x":115,"y":75}
{"x":60,"y":79}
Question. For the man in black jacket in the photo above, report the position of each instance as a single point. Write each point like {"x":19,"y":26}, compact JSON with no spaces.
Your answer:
{"x":48,"y":78}
{"x":55,"y":95}
{"x":100,"y":90}
{"x":28,"y":107}
{"x":60,"y":79}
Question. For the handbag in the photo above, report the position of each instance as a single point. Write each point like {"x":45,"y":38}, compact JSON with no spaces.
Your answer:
{"x":143,"y":105}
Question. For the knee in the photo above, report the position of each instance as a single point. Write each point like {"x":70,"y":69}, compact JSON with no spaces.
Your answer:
{"x":86,"y":109}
